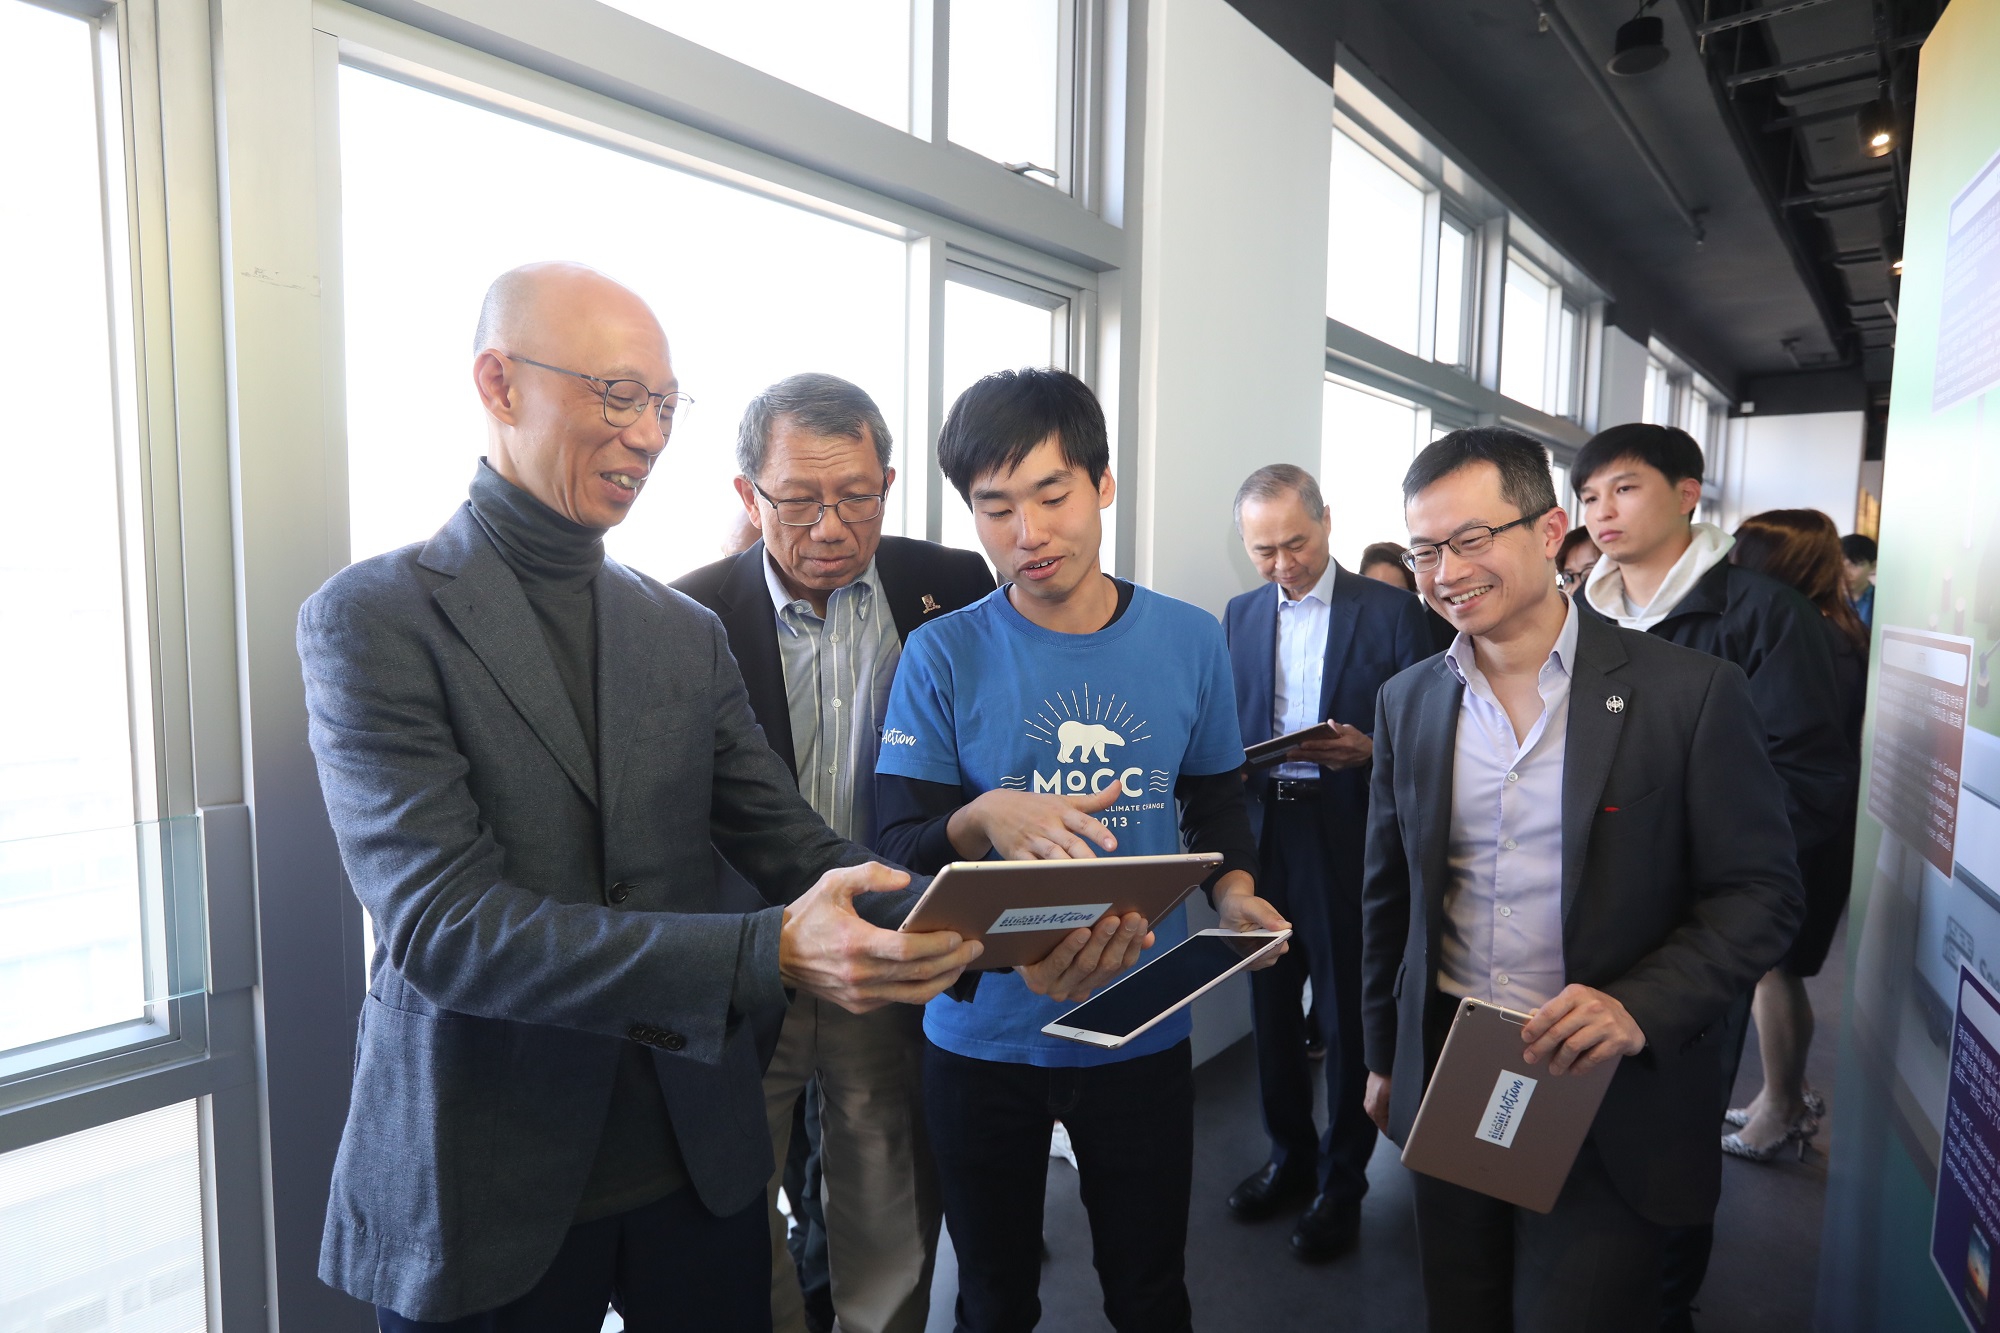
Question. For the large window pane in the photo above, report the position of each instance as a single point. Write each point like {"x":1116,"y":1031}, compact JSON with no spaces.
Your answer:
{"x":856,"y":53}
{"x":75,"y":739}
{"x":1454,"y":264}
{"x":102,"y":1229}
{"x":1375,"y":247}
{"x":984,"y":332}
{"x":749,"y":290}
{"x":1367,"y":440}
{"x":1524,"y":336}
{"x":1004,"y":80}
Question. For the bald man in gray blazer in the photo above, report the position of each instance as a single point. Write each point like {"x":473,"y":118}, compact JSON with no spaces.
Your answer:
{"x":527,"y":751}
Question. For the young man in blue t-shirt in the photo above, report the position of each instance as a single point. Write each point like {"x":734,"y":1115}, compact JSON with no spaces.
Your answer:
{"x":1063,"y":695}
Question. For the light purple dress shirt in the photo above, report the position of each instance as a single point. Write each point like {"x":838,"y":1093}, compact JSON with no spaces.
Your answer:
{"x":1502,"y":936}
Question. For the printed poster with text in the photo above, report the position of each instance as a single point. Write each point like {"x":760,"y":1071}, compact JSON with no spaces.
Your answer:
{"x":1967,"y":1220}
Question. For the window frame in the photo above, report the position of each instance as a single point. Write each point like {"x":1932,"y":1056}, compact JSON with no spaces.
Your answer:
{"x":203,"y":1044}
{"x":1371,"y":115}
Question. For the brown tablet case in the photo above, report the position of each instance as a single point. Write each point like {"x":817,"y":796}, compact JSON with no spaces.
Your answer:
{"x":1022,"y":909}
{"x":1494,"y":1123}
{"x":1271,"y":751}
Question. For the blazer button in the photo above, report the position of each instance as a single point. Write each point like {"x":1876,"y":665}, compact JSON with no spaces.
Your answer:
{"x":618,"y":893}
{"x":673,"y":1041}
{"x":641,"y":1034}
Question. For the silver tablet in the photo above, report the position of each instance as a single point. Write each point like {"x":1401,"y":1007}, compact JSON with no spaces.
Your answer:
{"x":1022,"y":909}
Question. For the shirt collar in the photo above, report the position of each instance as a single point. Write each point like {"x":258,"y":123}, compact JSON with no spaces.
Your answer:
{"x":1459,"y":657}
{"x":867,"y":589}
{"x":1323,"y":590}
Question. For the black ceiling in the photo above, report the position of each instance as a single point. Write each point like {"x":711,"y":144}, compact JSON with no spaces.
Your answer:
{"x":1788,"y":292}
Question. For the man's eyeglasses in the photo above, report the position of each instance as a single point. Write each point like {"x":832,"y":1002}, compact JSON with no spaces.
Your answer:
{"x":1569,"y":580}
{"x":807,"y":513}
{"x":1425,"y":556}
{"x":623,"y":400}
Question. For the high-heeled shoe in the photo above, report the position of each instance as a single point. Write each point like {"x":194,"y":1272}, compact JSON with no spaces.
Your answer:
{"x":1736,"y":1117}
{"x":1801,"y":1133}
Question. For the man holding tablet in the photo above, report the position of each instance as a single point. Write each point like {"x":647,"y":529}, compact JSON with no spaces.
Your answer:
{"x":1581,"y":822}
{"x":1065,"y":687}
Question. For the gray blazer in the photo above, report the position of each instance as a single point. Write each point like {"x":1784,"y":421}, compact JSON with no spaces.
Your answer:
{"x":1679,"y":889}
{"x":462,"y":796}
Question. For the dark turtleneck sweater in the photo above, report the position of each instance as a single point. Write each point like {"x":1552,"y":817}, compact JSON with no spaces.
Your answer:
{"x":556,"y":562}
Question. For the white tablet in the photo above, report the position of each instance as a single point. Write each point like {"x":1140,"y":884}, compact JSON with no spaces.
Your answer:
{"x":1142,"y":998}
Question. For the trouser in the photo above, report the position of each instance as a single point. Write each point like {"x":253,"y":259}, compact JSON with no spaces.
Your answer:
{"x":1131,"y":1123}
{"x":807,"y":1241}
{"x":669,"y":1267}
{"x":878,"y":1189}
{"x":1297,"y":879}
{"x":1685,"y":1265}
{"x":1589,"y":1265}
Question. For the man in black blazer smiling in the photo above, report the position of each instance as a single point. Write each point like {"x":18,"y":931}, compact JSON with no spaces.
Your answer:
{"x":816,"y":613}
{"x":1580,"y":821}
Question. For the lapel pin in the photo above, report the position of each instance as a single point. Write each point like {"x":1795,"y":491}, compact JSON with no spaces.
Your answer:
{"x":1615,"y":703}
{"x":930,"y":605}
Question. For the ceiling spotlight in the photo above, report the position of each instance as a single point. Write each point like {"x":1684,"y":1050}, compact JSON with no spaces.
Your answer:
{"x":1640,"y":46}
{"x":1877,"y":127}
{"x":1897,"y":268}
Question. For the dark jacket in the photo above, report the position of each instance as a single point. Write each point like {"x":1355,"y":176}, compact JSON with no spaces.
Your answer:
{"x":922,"y":581}
{"x":1679,"y":889}
{"x":1373,"y":631}
{"x":505,"y":984}
{"x":1773,"y":633}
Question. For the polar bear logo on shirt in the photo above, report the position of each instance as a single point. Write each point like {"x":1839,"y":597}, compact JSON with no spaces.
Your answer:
{"x":1085,"y":742}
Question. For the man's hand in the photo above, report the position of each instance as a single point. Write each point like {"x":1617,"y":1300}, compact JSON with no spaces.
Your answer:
{"x":1032,"y":826}
{"x":1375,"y":1101}
{"x":1089,"y":959}
{"x":1348,"y":748}
{"x":1237,"y":903}
{"x":826,"y":948}
{"x":1580,"y":1027}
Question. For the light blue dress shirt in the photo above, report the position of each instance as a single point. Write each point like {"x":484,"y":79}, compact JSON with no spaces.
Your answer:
{"x":1301,"y":664}
{"x":838,"y":672}
{"x":1502,"y":935}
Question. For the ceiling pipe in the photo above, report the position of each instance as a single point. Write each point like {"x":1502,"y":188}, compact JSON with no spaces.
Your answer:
{"x":1735,"y":81}
{"x":1750,"y":16}
{"x":1556,"y":23}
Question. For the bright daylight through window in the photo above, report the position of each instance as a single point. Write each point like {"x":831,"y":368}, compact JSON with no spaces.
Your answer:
{"x":856,"y":53}
{"x":1367,"y":440}
{"x":103,"y":1228}
{"x":76,"y":743}
{"x":1005,"y":84}
{"x":1375,"y":247}
{"x":750,"y":290}
{"x":1524,"y":336}
{"x":984,"y":332}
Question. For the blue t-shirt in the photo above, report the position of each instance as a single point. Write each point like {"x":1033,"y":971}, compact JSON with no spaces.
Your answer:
{"x":984,"y":698}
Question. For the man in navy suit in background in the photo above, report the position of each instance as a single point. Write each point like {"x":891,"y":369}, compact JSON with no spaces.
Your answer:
{"x":1313,"y":645}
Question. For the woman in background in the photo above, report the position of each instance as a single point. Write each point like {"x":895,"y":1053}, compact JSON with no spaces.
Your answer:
{"x":1801,"y":547}
{"x":1575,"y":558}
{"x":1384,"y":562}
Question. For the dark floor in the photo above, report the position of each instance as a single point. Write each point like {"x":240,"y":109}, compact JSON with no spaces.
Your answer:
{"x":1762,"y":1278}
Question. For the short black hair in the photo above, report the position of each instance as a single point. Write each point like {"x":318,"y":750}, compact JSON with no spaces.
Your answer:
{"x":1858,"y":547}
{"x":1001,"y":419}
{"x":1525,"y":480}
{"x":1668,"y":450}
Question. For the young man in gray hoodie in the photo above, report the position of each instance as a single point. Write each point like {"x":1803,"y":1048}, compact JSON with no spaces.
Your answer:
{"x":1664,"y":573}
